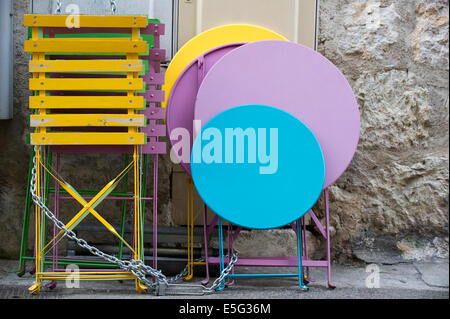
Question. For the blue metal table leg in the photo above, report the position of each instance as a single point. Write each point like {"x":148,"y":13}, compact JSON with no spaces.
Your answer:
{"x":221,"y":257}
{"x":300,"y":257}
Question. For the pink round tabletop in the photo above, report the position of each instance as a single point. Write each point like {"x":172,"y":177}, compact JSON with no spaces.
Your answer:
{"x":295,"y":79}
{"x":181,"y":103}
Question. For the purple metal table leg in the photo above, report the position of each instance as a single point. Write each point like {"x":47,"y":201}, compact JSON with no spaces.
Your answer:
{"x":212,"y":224}
{"x":327,"y":213}
{"x":236,"y":233}
{"x":230,"y":281}
{"x":294,"y":227}
{"x":299,"y":228}
{"x":155,"y":211}
{"x":207,"y":230}
{"x":205,"y":242}
{"x":306,"y":278}
{"x":301,"y":277}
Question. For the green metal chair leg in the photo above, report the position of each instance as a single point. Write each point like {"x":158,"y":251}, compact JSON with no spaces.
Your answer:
{"x":26,"y":222}
{"x":124,"y":209}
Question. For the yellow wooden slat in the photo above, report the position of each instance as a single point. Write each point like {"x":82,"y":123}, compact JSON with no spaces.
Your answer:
{"x":90,"y":277}
{"x":86,"y":21}
{"x":87,"y":102}
{"x":75,"y":120}
{"x":76,"y":138}
{"x":89,"y":84}
{"x":98,"y":45}
{"x":86,"y":66}
{"x":61,"y":273}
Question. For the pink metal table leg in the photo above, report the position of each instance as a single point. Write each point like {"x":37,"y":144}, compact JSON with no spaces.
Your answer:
{"x":230,"y":281}
{"x":318,"y":224}
{"x":155,"y":211}
{"x":271,"y":261}
{"x":236,"y":233}
{"x":306,"y":278}
{"x":305,"y":246}
{"x":327,"y":212}
{"x":205,"y":242}
{"x":207,"y":230}
{"x":287,"y":261}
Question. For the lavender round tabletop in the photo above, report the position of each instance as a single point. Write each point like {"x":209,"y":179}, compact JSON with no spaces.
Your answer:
{"x":295,"y":79}
{"x":180,"y":107}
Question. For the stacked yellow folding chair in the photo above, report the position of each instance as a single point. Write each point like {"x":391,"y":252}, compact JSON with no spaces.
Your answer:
{"x":80,"y":118}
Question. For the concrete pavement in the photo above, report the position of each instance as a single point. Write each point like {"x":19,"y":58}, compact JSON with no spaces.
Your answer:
{"x":419,"y":280}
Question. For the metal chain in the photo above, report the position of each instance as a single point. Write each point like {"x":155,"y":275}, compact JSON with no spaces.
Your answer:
{"x":113,"y":6}
{"x":184,"y":272}
{"x":137,"y":267}
{"x":216,"y":284}
{"x":111,"y":2}
{"x":58,"y":6}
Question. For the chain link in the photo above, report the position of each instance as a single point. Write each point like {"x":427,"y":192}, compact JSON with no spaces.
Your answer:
{"x":113,"y":6}
{"x":137,"y":267}
{"x":216,"y":284}
{"x":58,"y":6}
{"x":112,"y":3}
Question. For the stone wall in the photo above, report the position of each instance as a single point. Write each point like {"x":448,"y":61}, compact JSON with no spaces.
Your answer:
{"x":395,"y":55}
{"x":393,"y":199}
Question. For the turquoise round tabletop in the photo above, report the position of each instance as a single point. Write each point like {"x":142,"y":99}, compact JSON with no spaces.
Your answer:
{"x":257,"y":166}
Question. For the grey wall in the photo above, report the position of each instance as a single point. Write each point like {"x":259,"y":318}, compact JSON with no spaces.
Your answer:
{"x":395,"y":192}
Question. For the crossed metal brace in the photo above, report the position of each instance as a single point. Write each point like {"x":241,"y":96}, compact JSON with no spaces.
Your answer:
{"x":89,"y":207}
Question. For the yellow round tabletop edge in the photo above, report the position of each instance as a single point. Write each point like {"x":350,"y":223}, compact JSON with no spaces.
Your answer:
{"x":208,"y":40}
